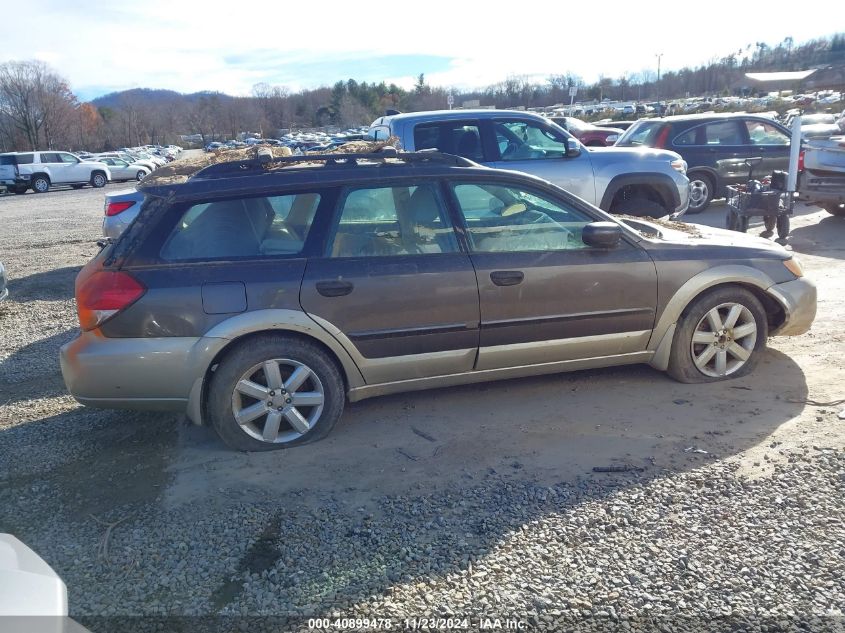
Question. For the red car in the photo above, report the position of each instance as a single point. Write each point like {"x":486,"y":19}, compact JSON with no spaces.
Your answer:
{"x":590,"y":135}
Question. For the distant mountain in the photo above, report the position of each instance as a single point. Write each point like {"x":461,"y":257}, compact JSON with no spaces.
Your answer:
{"x":150,"y":96}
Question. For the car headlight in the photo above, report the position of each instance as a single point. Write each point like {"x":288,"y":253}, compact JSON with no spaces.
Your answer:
{"x":793,"y":265}
{"x":679,"y":165}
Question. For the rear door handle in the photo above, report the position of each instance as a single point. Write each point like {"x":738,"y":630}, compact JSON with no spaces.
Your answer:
{"x":507,"y":277}
{"x":334,"y":288}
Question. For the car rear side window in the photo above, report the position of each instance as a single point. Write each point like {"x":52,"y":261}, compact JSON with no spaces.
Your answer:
{"x":399,"y":220}
{"x":452,"y":137}
{"x":243,"y":228}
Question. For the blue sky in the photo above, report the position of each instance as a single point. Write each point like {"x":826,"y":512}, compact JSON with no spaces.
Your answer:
{"x":188,"y":45}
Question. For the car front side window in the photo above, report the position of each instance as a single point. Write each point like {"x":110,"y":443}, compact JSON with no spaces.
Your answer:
{"x":527,"y":140}
{"x":761,"y":133}
{"x":509,"y":219}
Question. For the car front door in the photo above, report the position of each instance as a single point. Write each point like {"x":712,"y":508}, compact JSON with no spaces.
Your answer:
{"x":393,"y":286}
{"x":545,"y":295}
{"x":769,"y":142}
{"x":541,"y":149}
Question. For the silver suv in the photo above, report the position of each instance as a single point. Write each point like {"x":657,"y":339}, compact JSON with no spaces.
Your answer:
{"x":628,"y":181}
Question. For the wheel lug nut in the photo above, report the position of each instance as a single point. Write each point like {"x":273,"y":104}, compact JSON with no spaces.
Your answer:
{"x":288,"y":400}
{"x":272,"y":393}
{"x":280,"y":409}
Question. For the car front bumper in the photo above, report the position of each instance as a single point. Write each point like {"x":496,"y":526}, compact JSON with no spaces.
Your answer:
{"x":798,"y":299}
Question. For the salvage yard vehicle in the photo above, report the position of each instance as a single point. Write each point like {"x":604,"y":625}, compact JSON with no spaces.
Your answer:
{"x":715,"y":148}
{"x":259,"y":295}
{"x":121,"y":170}
{"x":627,"y":181}
{"x":4,"y":291}
{"x":821,"y":174}
{"x":20,"y":171}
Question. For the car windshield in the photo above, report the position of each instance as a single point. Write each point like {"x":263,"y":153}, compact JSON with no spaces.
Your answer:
{"x":642,"y":133}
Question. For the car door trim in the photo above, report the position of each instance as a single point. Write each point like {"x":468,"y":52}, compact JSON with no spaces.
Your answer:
{"x":563,"y":318}
{"x":471,"y":377}
{"x":565,"y":349}
{"x":369,"y":335}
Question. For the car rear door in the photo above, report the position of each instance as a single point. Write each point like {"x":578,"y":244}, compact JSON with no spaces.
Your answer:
{"x":545,"y":296}
{"x":393,"y":285}
{"x":55,"y":166}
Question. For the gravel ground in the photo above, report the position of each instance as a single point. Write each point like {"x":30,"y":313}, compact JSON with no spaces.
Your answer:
{"x":496,"y":515}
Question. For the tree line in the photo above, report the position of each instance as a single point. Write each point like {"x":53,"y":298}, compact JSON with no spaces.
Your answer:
{"x":38,"y":109}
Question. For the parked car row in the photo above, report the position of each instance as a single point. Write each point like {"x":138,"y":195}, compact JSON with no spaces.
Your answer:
{"x":303,"y":141}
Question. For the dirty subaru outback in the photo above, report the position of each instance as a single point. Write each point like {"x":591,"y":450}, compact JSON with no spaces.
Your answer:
{"x":260,"y":295}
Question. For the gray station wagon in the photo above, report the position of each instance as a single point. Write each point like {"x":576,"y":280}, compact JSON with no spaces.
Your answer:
{"x":260,"y":295}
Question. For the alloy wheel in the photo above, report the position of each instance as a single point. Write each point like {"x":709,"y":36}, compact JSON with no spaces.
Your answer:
{"x":699,"y":192}
{"x":724,"y":340}
{"x":278,"y":401}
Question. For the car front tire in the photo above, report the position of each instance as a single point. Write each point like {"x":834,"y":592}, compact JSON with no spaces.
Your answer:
{"x":720,"y":335}
{"x":275,"y":391}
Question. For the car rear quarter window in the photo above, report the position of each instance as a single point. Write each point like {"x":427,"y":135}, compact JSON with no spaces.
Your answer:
{"x":398,"y":220}
{"x":256,"y":227}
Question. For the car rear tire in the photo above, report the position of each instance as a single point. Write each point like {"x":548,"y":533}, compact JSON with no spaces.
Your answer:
{"x":702,"y":189}
{"x":720,"y":335}
{"x":835,"y":208}
{"x":140,"y":175}
{"x":41,"y":184}
{"x":20,"y":190}
{"x":253,"y":394}
{"x":98,"y":180}
{"x":639,"y":206}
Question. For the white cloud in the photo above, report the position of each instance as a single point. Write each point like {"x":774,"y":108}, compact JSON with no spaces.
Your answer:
{"x":182,"y":45}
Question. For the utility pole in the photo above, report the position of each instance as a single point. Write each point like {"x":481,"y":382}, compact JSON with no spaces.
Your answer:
{"x":659,"y":109}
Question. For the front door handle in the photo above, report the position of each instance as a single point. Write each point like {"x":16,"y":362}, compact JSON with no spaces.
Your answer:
{"x":334,"y":288}
{"x":507,"y":277}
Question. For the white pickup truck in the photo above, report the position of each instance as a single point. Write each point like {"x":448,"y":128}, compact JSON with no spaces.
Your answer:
{"x":20,"y":171}
{"x":821,"y":174}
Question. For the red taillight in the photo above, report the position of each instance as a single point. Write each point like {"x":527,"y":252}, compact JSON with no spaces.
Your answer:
{"x":113,"y":208}
{"x":801,"y":161}
{"x":660,"y":141}
{"x":103,"y":294}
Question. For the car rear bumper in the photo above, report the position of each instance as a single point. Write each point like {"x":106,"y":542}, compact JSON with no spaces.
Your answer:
{"x":130,"y":373}
{"x":798,"y":299}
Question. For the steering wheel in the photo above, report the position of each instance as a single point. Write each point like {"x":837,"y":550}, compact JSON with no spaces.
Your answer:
{"x":510,"y":150}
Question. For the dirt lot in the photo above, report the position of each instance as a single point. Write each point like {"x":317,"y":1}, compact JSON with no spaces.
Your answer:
{"x":473,"y":500}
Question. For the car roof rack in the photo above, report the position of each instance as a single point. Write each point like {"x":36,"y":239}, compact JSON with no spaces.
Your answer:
{"x":265,"y":161}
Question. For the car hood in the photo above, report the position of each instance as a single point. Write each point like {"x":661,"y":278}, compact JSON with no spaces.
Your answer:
{"x":615,"y":154}
{"x":663,"y":233}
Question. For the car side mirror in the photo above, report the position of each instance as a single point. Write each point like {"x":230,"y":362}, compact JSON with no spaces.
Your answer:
{"x":573,"y":148}
{"x":602,"y":234}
